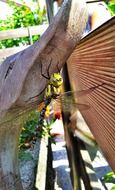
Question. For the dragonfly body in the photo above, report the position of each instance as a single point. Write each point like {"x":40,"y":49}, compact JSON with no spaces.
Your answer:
{"x":53,"y":88}
{"x":52,"y":91}
{"x":66,"y":100}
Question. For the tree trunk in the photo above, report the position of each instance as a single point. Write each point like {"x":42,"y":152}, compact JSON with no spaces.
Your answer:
{"x":9,"y":170}
{"x":22,"y":84}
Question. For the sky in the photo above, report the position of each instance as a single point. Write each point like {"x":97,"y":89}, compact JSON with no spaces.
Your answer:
{"x":5,"y":10}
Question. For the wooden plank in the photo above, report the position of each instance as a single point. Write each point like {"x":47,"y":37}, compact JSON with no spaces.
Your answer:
{"x":22,"y":32}
{"x":93,"y":63}
{"x":40,"y":181}
{"x":10,"y":51}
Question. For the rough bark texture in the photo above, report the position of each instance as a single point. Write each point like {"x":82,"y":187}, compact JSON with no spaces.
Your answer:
{"x":22,"y":85}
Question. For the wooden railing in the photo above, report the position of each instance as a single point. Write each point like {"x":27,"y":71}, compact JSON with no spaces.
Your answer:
{"x":93,"y":63}
{"x":20,"y":32}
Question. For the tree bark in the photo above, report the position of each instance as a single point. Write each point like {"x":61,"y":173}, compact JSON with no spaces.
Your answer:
{"x":9,"y":170}
{"x":22,"y":84}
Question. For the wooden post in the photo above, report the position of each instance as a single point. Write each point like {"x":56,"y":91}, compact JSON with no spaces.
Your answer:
{"x":93,"y":63}
{"x":22,"y":84}
{"x":9,"y":170}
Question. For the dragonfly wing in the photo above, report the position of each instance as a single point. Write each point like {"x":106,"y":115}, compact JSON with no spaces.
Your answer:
{"x":67,"y":102}
{"x":82,"y":106}
{"x":68,"y":98}
{"x":80,"y":93}
{"x":84,"y":137}
{"x":74,"y":106}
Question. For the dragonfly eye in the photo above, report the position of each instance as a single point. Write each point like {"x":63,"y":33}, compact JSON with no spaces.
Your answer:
{"x":55,"y":80}
{"x":59,"y":79}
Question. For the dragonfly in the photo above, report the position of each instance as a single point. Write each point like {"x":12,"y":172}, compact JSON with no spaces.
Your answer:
{"x":66,"y":100}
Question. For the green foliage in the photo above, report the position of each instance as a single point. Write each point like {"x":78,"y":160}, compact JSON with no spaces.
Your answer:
{"x":25,"y":156}
{"x":46,"y":129}
{"x":22,"y":16}
{"x":111,"y":7}
{"x":27,"y":135}
{"x":29,"y":128}
{"x":110,"y":178}
{"x":113,"y":188}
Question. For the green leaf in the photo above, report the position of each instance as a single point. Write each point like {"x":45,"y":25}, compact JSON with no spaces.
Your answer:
{"x":22,"y":17}
{"x":25,"y":155}
{"x":109,"y":177}
{"x":113,"y":188}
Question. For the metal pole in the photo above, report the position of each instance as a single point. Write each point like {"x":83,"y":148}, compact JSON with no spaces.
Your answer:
{"x":49,"y":5}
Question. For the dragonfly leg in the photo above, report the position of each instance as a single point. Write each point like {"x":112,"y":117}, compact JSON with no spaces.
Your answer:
{"x":58,"y":67}
{"x":48,"y":75}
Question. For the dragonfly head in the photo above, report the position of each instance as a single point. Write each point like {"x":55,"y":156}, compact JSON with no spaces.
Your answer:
{"x":56,"y":80}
